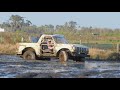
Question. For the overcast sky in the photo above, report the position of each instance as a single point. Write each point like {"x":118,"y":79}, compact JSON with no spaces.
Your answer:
{"x":87,"y":19}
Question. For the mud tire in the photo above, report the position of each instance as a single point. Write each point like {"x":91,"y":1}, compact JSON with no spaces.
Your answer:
{"x":63,"y":56}
{"x":29,"y":55}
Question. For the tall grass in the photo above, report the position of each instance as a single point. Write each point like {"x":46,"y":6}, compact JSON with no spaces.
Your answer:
{"x":8,"y":48}
{"x":99,"y":53}
{"x":8,"y":42}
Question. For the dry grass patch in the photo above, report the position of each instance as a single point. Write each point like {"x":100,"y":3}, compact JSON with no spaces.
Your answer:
{"x":8,"y":48}
{"x":99,"y":53}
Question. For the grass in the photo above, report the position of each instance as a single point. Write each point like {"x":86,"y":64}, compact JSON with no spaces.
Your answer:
{"x":99,"y":53}
{"x":8,"y":49}
{"x":8,"y":42}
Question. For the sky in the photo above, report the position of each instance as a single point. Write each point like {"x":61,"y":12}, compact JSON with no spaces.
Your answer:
{"x":83,"y":19}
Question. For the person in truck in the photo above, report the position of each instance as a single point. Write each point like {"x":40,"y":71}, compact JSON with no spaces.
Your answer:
{"x":50,"y":45}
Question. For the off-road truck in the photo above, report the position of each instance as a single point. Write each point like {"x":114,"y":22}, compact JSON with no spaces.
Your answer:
{"x":60,"y":48}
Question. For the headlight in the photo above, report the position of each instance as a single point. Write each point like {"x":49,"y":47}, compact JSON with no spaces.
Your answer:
{"x":87,"y":50}
{"x":73,"y":48}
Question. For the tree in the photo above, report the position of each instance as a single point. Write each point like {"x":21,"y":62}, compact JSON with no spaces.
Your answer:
{"x":72,"y":24}
{"x":66,"y":24}
{"x":51,"y":26}
{"x":58,"y":27}
{"x":5,"y":24}
{"x":28,"y":23}
{"x":16,"y":22}
{"x":51,"y":29}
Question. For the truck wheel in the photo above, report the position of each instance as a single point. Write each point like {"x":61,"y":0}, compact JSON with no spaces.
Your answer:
{"x":29,"y":55}
{"x":63,"y":56}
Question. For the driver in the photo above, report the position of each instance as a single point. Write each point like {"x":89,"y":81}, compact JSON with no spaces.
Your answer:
{"x":50,"y":45}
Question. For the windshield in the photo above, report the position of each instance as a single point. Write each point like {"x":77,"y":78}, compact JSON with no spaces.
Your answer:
{"x":34,"y":39}
{"x":60,"y":40}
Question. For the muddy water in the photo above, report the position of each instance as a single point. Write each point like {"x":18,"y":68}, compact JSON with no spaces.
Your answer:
{"x":103,"y":69}
{"x":16,"y":67}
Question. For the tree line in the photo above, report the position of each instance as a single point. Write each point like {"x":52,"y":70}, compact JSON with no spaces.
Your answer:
{"x":18,"y":23}
{"x":70,"y":29}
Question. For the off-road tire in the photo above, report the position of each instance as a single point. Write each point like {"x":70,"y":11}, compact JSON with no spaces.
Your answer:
{"x":29,"y":55}
{"x":63,"y":56}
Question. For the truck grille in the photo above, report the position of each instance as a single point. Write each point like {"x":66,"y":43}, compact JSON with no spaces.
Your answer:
{"x":81,"y":50}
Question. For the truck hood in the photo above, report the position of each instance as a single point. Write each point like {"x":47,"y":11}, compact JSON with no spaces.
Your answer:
{"x":79,"y":45}
{"x":73,"y":45}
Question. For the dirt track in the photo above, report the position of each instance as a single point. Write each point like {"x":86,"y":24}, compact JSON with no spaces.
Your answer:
{"x":15,"y":67}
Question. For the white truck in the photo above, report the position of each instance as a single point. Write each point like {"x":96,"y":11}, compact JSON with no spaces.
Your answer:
{"x":52,"y":46}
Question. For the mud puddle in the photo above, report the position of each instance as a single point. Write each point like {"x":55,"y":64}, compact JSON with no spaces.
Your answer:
{"x":16,"y":67}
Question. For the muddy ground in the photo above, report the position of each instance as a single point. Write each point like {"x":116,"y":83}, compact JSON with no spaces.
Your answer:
{"x":16,"y":67}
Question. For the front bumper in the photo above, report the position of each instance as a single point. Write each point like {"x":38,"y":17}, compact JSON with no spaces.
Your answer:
{"x":80,"y":52}
{"x":82,"y":55}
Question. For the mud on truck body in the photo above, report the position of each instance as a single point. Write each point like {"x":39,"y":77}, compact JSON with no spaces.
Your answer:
{"x":57,"y":47}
